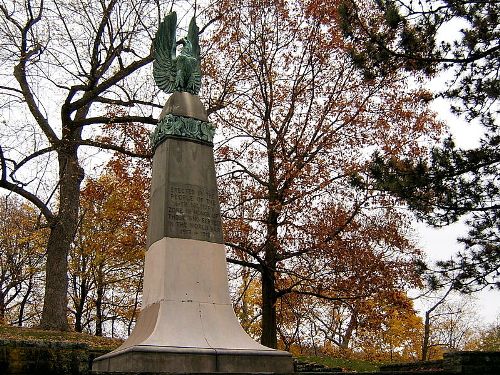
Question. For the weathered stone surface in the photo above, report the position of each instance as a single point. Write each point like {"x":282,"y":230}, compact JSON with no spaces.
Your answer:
{"x":188,"y":318}
{"x":158,"y":359}
{"x":184,"y":199}
{"x":304,"y":366}
{"x":193,"y":360}
{"x":466,"y":362}
{"x":231,"y":361}
{"x":484,"y":363}
{"x":436,"y":365}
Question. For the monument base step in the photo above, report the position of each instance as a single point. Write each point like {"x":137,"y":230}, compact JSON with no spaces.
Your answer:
{"x":191,"y":373}
{"x":170,"y":360}
{"x":290,"y":373}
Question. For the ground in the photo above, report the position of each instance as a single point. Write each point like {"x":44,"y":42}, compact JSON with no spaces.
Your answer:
{"x":33,"y":334}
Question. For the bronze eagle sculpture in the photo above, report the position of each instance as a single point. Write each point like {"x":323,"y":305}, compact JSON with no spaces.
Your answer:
{"x":177,"y":73}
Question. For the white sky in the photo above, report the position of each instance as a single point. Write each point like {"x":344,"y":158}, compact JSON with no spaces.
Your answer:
{"x":441,"y":244}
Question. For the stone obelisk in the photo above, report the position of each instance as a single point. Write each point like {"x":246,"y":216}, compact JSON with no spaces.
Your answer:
{"x":187,"y":323}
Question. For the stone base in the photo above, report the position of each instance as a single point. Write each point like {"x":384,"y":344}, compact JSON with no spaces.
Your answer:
{"x":141,"y":359}
{"x":187,"y":324}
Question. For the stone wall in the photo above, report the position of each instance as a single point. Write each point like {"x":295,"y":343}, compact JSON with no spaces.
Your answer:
{"x":45,"y":358}
{"x":59,"y":358}
{"x":467,"y":363}
{"x":413,"y":366}
{"x":484,"y":363}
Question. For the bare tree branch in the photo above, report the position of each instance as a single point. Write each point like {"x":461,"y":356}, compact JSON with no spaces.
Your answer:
{"x":115,"y":120}
{"x":244,"y":263}
{"x":30,"y":157}
{"x":125,"y":103}
{"x":44,"y":209}
{"x":90,"y":95}
{"x":107,"y":146}
{"x":10,"y":89}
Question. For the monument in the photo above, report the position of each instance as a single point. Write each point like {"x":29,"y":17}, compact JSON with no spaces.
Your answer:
{"x":187,"y":323}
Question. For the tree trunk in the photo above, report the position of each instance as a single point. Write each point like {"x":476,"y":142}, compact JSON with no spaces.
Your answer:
{"x":54,"y":314}
{"x":80,"y":306}
{"x":269,"y":295}
{"x":98,"y":315}
{"x":269,"y":330}
{"x":2,"y":309}
{"x":353,"y":322}
{"x":427,"y":324}
{"x":134,"y":311}
{"x":98,"y":302}
{"x":24,"y":301}
{"x":78,"y":320}
{"x":425,"y":341}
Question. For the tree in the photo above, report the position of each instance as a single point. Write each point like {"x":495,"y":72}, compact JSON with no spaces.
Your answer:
{"x":451,"y":325}
{"x":69,"y":60}
{"x":383,"y":35}
{"x":247,"y":301}
{"x":296,"y":118}
{"x":440,"y":191}
{"x":426,"y":339}
{"x":449,"y":182}
{"x":395,"y":334}
{"x":21,"y":259}
{"x":440,"y":300}
{"x":489,"y":338}
{"x":351,"y":287}
{"x":106,"y":261}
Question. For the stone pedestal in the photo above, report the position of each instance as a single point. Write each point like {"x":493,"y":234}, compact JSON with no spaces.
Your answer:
{"x":187,"y":323}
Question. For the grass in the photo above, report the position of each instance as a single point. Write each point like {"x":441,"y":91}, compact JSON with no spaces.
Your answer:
{"x":348,"y":364}
{"x":33,"y":334}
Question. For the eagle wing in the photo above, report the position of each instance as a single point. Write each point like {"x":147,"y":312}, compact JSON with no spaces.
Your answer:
{"x":193,"y":38}
{"x":165,"y":50}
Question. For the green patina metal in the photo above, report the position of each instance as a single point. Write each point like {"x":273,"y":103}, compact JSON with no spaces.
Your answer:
{"x":172,"y":126}
{"x":177,"y":73}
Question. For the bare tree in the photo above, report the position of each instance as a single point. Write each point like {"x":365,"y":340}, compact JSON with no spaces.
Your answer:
{"x":449,"y":323}
{"x":69,"y":63}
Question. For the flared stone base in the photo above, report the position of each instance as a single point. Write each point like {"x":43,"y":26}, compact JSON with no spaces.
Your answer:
{"x":193,"y":360}
{"x":188,"y":324}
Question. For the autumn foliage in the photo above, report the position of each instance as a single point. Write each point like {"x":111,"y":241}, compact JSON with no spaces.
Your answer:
{"x":106,"y":261}
{"x":295,"y":120}
{"x":107,"y":256}
{"x":22,"y":253}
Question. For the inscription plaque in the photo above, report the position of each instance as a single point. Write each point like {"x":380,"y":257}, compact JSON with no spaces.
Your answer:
{"x":193,"y":212}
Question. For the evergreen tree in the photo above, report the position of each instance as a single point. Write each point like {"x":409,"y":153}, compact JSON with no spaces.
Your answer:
{"x":449,"y":182}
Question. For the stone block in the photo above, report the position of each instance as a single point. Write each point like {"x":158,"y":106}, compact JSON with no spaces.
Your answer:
{"x":184,"y":200}
{"x":193,"y":360}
